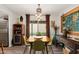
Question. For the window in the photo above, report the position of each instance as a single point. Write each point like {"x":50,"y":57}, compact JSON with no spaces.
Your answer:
{"x":34,"y":27}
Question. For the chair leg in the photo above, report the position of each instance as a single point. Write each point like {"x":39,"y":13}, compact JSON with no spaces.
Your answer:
{"x":30,"y":48}
{"x":51,"y":48}
{"x":34,"y":51}
{"x":2,"y":48}
{"x":43,"y":51}
{"x":25,"y":49}
{"x":46,"y":48}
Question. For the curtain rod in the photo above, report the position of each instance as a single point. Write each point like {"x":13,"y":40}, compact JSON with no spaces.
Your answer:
{"x":34,"y":14}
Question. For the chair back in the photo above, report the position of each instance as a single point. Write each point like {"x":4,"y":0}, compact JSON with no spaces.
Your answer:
{"x":38,"y":45}
{"x":25,"y":38}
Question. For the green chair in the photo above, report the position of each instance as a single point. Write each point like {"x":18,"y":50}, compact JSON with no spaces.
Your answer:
{"x":50,"y":45}
{"x":25,"y":42}
{"x":38,"y":45}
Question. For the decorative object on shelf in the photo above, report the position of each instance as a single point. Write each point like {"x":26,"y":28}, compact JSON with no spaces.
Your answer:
{"x":55,"y":27}
{"x":21,"y":19}
{"x":66,"y":31}
{"x":52,"y":24}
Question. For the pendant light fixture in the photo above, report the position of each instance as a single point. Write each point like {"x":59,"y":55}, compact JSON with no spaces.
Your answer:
{"x":38,"y":13}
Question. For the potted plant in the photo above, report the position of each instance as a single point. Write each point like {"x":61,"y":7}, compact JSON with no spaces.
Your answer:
{"x":38,"y":33}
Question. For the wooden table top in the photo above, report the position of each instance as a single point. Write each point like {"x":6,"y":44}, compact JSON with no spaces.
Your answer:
{"x":33,"y":38}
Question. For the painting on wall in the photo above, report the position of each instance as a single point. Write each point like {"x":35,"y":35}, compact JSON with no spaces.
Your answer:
{"x":70,"y":20}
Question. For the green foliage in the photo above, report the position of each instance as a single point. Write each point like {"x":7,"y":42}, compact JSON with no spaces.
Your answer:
{"x":40,"y":33}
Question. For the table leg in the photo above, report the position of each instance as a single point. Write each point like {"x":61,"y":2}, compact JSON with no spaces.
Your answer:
{"x":46,"y":48}
{"x":30,"y":48}
{"x":2,"y":48}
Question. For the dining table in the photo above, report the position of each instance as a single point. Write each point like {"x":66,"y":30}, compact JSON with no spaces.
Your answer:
{"x":44,"y":39}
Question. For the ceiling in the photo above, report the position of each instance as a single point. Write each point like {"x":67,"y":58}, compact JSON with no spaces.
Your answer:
{"x":21,"y":9}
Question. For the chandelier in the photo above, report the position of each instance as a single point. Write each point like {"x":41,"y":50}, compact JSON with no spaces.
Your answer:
{"x":38,"y":13}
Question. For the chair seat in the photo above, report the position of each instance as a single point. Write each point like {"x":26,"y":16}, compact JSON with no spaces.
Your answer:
{"x":38,"y":45}
{"x":28,"y":44}
{"x":38,"y":48}
{"x":25,"y":42}
{"x":50,"y":43}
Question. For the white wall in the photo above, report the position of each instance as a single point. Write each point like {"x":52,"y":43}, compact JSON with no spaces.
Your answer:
{"x":24,"y":22}
{"x":12,"y":20}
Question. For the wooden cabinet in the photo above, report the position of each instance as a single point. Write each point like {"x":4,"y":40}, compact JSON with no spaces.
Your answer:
{"x":71,"y":44}
{"x":17,"y":34}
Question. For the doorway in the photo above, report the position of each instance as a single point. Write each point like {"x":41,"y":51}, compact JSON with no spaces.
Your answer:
{"x":4,"y":30}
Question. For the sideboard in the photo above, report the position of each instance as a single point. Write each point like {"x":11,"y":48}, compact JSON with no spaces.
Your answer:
{"x":71,"y":44}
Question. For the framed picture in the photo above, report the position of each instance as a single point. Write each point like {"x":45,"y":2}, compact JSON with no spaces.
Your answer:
{"x":70,"y":20}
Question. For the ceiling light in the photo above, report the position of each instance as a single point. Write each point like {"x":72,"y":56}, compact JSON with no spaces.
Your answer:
{"x":38,"y":13}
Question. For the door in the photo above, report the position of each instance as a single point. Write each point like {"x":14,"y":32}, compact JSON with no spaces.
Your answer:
{"x":4,"y":32}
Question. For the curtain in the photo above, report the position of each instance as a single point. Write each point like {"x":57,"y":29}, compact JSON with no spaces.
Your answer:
{"x":48,"y":25}
{"x":27,"y":25}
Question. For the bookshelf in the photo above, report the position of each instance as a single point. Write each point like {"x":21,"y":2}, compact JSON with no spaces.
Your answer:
{"x":17,"y":34}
